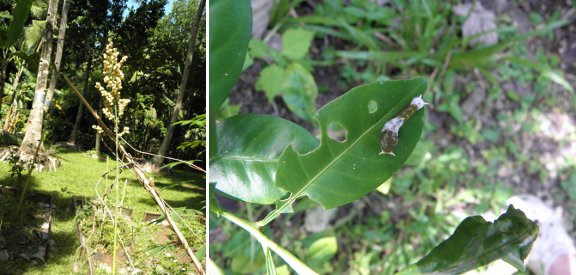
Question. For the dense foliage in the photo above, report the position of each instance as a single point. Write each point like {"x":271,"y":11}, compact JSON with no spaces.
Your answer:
{"x":156,"y":45}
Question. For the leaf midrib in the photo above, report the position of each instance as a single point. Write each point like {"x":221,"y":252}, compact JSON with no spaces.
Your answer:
{"x":337,"y":158}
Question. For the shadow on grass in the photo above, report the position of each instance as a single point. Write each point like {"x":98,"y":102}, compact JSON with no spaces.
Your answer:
{"x":62,"y":232}
{"x":191,"y":186}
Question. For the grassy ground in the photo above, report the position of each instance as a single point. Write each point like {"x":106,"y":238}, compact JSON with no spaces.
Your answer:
{"x":78,"y":177}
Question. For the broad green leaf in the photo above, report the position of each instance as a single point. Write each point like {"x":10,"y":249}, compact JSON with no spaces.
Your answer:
{"x":476,"y":242}
{"x":337,"y":172}
{"x":296,"y":43}
{"x":16,"y":26}
{"x":247,"y":158}
{"x":230,"y":27}
{"x":299,"y":91}
{"x":270,"y":81}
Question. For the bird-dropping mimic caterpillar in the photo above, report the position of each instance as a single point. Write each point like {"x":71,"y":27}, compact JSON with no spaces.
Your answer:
{"x":389,"y":138}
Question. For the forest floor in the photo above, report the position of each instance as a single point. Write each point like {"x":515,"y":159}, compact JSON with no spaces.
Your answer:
{"x":519,"y":139}
{"x":77,"y":178}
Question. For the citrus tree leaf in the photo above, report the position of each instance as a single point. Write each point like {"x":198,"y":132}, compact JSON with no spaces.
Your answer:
{"x":339,"y":172}
{"x":477,"y":242}
{"x":229,"y":38}
{"x":230,"y":29}
{"x":249,"y":147}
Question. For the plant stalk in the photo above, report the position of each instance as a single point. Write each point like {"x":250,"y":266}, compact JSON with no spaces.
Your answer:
{"x":291,"y":260}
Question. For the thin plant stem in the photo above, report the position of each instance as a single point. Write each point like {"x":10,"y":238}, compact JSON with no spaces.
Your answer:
{"x":117,"y":189}
{"x":291,"y":260}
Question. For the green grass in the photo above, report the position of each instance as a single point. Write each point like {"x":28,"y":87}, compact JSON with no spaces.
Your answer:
{"x":78,"y":177}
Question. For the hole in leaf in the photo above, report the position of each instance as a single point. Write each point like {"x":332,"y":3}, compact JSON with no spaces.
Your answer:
{"x":336,"y":131}
{"x":372,"y":106}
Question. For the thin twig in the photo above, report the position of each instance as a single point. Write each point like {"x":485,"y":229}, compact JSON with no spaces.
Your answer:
{"x":164,"y":157}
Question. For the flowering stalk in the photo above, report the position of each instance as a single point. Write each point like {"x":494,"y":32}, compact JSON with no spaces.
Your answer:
{"x":114,"y":110}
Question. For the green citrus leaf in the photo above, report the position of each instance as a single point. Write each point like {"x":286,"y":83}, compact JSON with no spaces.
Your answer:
{"x":248,"y":150}
{"x":339,"y":172}
{"x":476,"y":242}
{"x":230,"y":28}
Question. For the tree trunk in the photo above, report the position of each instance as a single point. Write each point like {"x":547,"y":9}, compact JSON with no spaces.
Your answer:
{"x":72,"y":138}
{"x":33,"y":135}
{"x":58,"y":57}
{"x":182,"y":91}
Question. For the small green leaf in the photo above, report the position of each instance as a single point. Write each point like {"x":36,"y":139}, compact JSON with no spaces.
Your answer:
{"x":201,"y":253}
{"x":299,"y":91}
{"x":476,"y":242}
{"x":296,"y":43}
{"x":323,"y":249}
{"x":270,"y":81}
{"x":258,"y":48}
{"x":339,"y":172}
{"x":247,"y":158}
{"x":491,"y":134}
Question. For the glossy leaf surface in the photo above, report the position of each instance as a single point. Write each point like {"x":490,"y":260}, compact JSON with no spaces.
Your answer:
{"x":230,"y":28}
{"x":249,"y":148}
{"x":476,"y":242}
{"x":337,"y":172}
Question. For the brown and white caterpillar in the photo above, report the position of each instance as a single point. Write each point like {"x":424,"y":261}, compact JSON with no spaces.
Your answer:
{"x":389,"y":138}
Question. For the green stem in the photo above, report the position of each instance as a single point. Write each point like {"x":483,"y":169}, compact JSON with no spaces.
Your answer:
{"x":117,"y":189}
{"x":291,"y":260}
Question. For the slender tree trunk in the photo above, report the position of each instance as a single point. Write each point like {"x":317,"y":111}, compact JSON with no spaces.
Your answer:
{"x":33,"y":137}
{"x":72,"y":138}
{"x":182,"y":91}
{"x":58,"y":57}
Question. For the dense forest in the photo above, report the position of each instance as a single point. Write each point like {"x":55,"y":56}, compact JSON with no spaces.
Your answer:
{"x":70,"y":37}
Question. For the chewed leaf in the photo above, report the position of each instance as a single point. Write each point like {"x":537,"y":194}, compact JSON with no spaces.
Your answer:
{"x":476,"y":242}
{"x":249,"y":147}
{"x":341,"y":171}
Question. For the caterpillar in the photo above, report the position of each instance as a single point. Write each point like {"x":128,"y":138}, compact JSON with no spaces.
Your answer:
{"x":389,"y":138}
